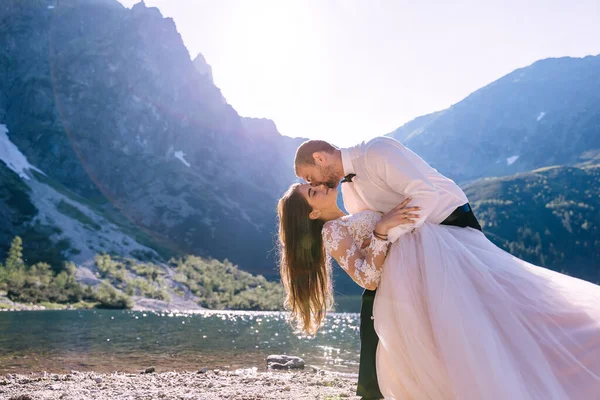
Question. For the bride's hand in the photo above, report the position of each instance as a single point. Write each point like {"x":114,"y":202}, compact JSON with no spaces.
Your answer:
{"x":399,"y":215}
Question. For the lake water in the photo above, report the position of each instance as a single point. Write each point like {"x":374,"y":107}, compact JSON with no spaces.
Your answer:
{"x":128,"y":341}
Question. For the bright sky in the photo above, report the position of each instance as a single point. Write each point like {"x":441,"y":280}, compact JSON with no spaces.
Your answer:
{"x":348,"y":70}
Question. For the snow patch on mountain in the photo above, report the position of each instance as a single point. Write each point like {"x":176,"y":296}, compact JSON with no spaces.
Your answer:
{"x":12,"y":157}
{"x":180,"y":155}
{"x":511,"y":160}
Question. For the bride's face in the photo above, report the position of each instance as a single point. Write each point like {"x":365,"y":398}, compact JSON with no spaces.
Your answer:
{"x":320,"y":198}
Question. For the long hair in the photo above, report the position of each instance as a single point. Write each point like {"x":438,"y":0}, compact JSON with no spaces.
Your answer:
{"x":305,"y":271}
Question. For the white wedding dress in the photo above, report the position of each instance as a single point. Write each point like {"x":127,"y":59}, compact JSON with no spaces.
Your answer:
{"x":459,"y":318}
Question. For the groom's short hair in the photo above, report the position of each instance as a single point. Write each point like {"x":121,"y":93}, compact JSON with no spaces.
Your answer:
{"x":304,"y":154}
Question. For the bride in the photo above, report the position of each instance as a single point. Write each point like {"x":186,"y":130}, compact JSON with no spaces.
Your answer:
{"x":457,"y":317}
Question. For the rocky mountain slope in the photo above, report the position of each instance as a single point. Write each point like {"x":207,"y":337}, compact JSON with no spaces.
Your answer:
{"x":108,"y":103}
{"x":541,"y":115}
{"x":550,"y":217}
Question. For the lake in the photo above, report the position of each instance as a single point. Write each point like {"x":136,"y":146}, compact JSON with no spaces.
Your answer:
{"x":129,"y":341}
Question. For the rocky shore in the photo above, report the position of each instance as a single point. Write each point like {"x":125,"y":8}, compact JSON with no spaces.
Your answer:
{"x":246,"y":384}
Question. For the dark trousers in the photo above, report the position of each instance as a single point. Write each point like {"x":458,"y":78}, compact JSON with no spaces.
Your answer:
{"x":368,"y":387}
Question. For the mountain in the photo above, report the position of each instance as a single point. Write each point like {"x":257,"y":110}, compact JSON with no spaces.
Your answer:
{"x":550,"y":217}
{"x":113,"y":139}
{"x":107,"y":104}
{"x":544,"y":114}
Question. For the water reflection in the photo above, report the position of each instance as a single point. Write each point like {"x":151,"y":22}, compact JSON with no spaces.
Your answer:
{"x":105,"y":341}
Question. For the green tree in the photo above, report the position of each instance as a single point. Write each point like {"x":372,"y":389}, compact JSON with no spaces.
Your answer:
{"x":109,"y":297}
{"x":3,"y":276}
{"x":14,"y":262}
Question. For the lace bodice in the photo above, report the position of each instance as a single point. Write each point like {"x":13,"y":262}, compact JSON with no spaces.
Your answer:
{"x":343,"y":239}
{"x":361,"y":225}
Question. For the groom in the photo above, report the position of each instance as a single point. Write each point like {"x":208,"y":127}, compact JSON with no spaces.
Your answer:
{"x":379,"y":175}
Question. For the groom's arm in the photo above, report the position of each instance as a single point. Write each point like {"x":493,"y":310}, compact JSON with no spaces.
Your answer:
{"x":390,"y":162}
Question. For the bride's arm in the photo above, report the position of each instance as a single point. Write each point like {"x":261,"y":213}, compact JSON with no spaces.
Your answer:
{"x":364,"y":267}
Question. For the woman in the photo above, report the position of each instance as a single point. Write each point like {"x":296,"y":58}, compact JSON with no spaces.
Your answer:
{"x":456,"y":316}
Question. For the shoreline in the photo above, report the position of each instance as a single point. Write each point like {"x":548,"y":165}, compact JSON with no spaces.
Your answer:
{"x":140,"y":304}
{"x":242,"y":384}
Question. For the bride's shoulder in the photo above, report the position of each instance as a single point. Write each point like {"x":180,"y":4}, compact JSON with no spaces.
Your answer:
{"x":334,"y":224}
{"x":368,"y":215}
{"x":352,"y":219}
{"x":365,"y":218}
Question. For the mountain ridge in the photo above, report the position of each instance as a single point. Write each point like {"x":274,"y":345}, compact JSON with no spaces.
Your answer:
{"x":539,"y":115}
{"x":141,"y":154}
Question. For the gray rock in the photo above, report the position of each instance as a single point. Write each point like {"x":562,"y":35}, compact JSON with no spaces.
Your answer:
{"x":284,"y":362}
{"x":98,"y":380}
{"x":313,"y":368}
{"x":150,"y":370}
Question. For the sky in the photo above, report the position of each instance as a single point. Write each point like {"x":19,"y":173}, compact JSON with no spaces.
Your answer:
{"x":348,"y":70}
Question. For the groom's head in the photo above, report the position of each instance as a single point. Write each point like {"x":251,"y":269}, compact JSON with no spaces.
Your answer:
{"x":319,"y":163}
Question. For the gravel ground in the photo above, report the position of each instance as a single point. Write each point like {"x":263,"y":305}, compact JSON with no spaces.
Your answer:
{"x":204,"y":384}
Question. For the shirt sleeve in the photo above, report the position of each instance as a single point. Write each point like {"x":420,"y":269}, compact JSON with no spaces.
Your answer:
{"x":391,"y":163}
{"x":363,"y":266}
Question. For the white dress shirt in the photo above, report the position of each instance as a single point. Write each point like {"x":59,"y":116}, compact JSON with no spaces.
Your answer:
{"x":387,"y":173}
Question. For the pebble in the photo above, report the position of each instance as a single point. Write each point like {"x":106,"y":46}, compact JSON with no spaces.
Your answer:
{"x":150,"y":370}
{"x":183,"y":385}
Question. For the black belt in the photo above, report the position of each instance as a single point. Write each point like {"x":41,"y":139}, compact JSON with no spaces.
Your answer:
{"x":460,"y":211}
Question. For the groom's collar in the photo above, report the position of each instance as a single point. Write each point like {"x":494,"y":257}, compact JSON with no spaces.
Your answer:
{"x":347,"y":162}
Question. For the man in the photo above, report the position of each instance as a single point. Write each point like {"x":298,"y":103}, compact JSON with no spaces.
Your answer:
{"x":379,"y":175}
